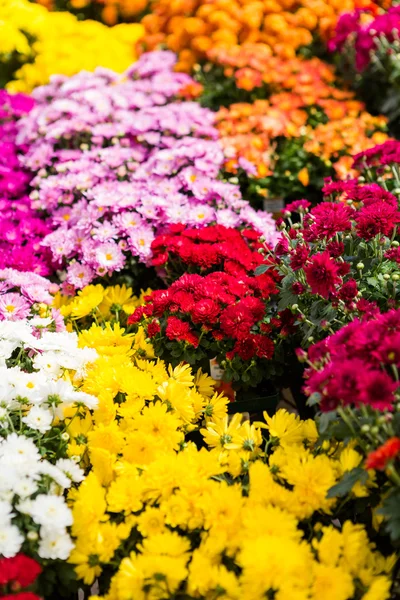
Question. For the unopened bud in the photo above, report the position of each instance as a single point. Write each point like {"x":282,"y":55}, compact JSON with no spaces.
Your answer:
{"x":360,"y":266}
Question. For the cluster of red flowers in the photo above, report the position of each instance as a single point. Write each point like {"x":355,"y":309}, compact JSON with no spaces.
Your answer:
{"x":378,"y":156}
{"x":379,"y":459}
{"x":214,"y":248}
{"x":215,"y":309}
{"x":320,"y":249}
{"x":16,"y":574}
{"x":354,"y":366}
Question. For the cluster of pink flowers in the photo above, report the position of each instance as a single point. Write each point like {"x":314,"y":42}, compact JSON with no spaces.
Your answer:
{"x":21,"y":229}
{"x":350,"y":26}
{"x":357,"y":365}
{"x":21,"y":295}
{"x":119,"y":159}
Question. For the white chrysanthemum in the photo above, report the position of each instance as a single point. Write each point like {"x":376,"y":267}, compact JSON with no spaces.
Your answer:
{"x":58,"y":476}
{"x":11,"y":540}
{"x":49,"y":362}
{"x":30,"y":385}
{"x":25,"y":506}
{"x":71,"y":469}
{"x":20,"y":454}
{"x":8,"y":479}
{"x":25,"y":487}
{"x":7,"y":347}
{"x":60,"y":341}
{"x":6,"y":512}
{"x":87,"y":399}
{"x":40,"y":321}
{"x":19,"y":332}
{"x":54,"y":544}
{"x":51,"y":512}
{"x":39,"y":419}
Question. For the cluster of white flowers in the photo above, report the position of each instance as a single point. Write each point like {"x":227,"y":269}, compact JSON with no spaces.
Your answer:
{"x":43,"y":390}
{"x":38,"y":371}
{"x":32,"y":506}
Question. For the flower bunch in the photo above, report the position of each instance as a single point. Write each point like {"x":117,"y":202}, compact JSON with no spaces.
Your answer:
{"x":285,"y":146}
{"x":168,"y":528}
{"x":251,"y":71}
{"x":192,"y":28}
{"x":339,"y":260}
{"x":17,"y":573}
{"x":111,"y":182}
{"x":21,"y":231}
{"x":27,"y":294}
{"x":353,"y":376}
{"x":41,"y":405}
{"x":97,"y":304}
{"x":214,"y":248}
{"x":366,"y":43}
{"x":36,"y":44}
{"x":199,"y":317}
{"x":363,"y":28}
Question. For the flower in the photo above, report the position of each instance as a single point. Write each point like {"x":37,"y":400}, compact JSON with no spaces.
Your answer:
{"x":322,"y":274}
{"x":379,"y":459}
{"x":20,"y":569}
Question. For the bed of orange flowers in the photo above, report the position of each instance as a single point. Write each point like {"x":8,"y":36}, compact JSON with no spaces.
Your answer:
{"x":288,"y":99}
{"x":192,"y":27}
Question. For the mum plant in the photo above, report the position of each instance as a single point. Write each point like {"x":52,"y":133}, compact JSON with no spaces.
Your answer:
{"x":216,"y":315}
{"x":353,"y":376}
{"x":215,"y":248}
{"x":338,"y":260}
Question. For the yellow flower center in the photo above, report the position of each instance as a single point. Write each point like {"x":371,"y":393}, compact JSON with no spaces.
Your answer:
{"x":10,"y":308}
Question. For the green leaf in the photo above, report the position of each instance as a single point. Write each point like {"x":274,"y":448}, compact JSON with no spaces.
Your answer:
{"x":390,"y":509}
{"x":347,"y":483}
{"x":262,"y":269}
{"x":325,"y":420}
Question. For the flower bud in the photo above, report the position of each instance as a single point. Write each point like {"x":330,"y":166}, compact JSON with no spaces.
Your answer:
{"x":65,"y":436}
{"x":395,"y":243}
{"x":360,"y":266}
{"x":365,"y":428}
{"x":386,"y":276}
{"x":395,"y":277}
{"x":32,"y":536}
{"x":295,"y":306}
{"x":311,"y":339}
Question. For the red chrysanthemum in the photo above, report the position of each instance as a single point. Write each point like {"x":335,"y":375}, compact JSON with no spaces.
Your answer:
{"x":20,"y":569}
{"x":322,"y":274}
{"x":378,"y":459}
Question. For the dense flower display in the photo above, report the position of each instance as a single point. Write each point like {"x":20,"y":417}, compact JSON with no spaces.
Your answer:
{"x":289,"y":125}
{"x":197,"y":401}
{"x":192,"y":28}
{"x":215,"y":314}
{"x":184,"y":523}
{"x":21,"y":229}
{"x":366,"y":44}
{"x":339,"y":261}
{"x":355,"y":372}
{"x":110,"y":183}
{"x":36,"y":44}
